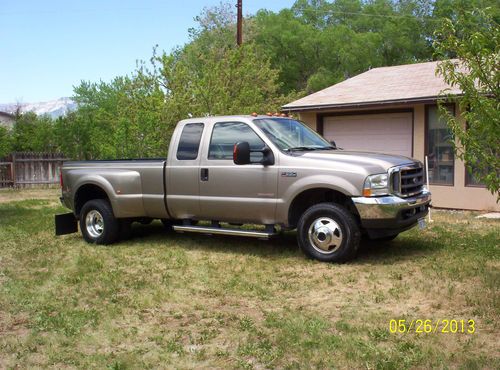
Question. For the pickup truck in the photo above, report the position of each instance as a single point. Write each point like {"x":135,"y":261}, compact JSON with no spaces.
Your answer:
{"x":222,"y":174}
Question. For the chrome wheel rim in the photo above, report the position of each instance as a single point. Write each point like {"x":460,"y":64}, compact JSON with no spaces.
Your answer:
{"x":325,"y":235}
{"x":94,"y":224}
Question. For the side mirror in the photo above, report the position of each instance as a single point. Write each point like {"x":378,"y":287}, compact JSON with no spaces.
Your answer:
{"x":333,"y":143}
{"x":242,"y":151}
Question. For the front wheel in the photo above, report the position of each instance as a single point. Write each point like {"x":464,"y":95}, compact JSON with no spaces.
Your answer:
{"x":328,"y":233}
{"x":97,"y":222}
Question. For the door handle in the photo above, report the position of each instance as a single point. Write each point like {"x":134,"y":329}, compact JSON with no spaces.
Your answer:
{"x":204,"y":174}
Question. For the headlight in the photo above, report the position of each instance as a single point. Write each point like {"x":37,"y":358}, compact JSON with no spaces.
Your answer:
{"x":376,"y":185}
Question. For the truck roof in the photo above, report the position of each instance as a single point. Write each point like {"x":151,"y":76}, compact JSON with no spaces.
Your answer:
{"x":232,"y":117}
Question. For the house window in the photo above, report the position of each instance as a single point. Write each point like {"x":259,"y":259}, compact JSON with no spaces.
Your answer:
{"x":439,"y":147}
{"x":472,"y":173}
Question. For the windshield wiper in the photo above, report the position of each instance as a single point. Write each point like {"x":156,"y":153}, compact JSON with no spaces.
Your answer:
{"x":327,"y":148}
{"x":306,"y":148}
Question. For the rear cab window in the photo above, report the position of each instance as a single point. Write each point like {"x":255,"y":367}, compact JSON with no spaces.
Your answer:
{"x":189,"y":142}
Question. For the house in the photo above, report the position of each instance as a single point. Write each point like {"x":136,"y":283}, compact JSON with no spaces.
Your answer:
{"x":7,"y":119}
{"x":393,"y":110}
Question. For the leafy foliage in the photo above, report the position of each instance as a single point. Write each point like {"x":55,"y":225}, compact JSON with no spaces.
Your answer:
{"x":214,"y":81}
{"x":33,"y":133}
{"x":318,"y":43}
{"x":123,"y":118}
{"x":5,"y":142}
{"x":474,"y":39}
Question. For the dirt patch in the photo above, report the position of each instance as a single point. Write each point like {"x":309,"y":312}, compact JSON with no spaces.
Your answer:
{"x":13,"y":325}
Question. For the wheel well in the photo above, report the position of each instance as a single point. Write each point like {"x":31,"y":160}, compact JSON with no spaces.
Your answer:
{"x":311,"y":197}
{"x":86,"y":193}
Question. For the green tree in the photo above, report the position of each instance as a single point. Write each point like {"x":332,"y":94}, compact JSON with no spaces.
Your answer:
{"x":474,"y":40}
{"x":5,"y":142}
{"x":119,"y":119}
{"x":228,"y":81}
{"x":73,"y":134}
{"x":317,"y":43}
{"x":33,"y":133}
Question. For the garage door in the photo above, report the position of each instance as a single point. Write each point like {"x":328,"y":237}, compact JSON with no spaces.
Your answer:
{"x":384,"y":133}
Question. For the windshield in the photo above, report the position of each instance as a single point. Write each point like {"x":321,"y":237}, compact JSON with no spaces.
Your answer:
{"x":288,"y":134}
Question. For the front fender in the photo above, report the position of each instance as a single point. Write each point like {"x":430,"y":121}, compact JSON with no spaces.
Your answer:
{"x":322,"y":181}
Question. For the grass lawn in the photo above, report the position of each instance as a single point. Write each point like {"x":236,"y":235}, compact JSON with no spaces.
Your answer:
{"x":190,"y":301}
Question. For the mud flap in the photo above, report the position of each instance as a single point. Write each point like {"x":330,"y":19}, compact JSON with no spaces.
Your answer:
{"x":66,"y":224}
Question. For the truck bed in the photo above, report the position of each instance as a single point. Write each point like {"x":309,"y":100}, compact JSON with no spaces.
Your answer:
{"x":126,"y":161}
{"x":135,"y":187}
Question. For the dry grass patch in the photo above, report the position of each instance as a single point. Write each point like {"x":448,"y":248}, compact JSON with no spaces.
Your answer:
{"x":11,"y":195}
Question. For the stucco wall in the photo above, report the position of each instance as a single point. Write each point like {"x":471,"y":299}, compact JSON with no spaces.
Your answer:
{"x":309,"y":119}
{"x":457,"y":196}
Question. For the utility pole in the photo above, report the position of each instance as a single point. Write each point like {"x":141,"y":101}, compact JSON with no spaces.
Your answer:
{"x":239,"y":25}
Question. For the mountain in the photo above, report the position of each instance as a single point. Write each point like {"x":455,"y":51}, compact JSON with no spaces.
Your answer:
{"x":54,"y":108}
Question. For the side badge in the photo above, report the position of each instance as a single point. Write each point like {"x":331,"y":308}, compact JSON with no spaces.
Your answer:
{"x":289,"y":174}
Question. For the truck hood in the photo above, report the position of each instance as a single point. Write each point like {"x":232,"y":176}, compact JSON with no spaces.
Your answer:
{"x":372,"y":162}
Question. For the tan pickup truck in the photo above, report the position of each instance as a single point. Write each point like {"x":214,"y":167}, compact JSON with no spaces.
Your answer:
{"x":272,"y":172}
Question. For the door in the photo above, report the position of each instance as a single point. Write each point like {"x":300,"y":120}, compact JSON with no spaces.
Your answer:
{"x":183,"y":188}
{"x":230,"y":192}
{"x":389,"y":133}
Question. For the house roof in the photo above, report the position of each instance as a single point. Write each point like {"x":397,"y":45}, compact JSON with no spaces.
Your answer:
{"x":384,"y":85}
{"x":7,"y":119}
{"x":6,"y":114}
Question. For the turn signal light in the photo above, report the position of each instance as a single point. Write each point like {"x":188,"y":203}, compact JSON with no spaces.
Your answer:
{"x":367,"y":192}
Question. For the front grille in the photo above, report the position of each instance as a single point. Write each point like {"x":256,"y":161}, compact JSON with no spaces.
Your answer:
{"x":407,"y":180}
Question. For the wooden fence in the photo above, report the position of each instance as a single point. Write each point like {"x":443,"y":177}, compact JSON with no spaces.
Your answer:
{"x":27,"y":169}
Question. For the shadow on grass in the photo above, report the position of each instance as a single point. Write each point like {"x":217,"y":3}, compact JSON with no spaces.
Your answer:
{"x":406,"y":246}
{"x":283,"y":245}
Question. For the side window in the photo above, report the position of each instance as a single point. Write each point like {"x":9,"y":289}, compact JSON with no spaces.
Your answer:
{"x":189,"y":142}
{"x":226,"y":134}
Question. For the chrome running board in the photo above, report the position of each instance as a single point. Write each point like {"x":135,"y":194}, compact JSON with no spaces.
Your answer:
{"x":222,"y":231}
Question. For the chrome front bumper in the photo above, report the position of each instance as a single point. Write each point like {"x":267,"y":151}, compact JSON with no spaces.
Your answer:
{"x":390,"y":207}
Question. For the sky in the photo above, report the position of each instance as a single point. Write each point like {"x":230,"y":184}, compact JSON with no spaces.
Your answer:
{"x":47,"y":47}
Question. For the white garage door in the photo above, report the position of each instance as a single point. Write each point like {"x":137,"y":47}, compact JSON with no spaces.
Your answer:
{"x":389,"y":133}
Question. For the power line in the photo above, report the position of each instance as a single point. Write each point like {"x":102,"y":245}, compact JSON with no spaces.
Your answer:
{"x":327,"y":12}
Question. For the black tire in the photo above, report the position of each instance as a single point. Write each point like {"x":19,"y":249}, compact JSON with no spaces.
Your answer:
{"x":340,"y":241}
{"x":103,"y":219}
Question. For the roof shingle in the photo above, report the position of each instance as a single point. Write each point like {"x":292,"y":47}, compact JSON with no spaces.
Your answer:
{"x":410,"y":82}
